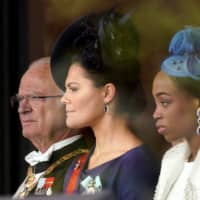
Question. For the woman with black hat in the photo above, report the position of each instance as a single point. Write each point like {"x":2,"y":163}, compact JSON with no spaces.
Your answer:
{"x":98,"y":55}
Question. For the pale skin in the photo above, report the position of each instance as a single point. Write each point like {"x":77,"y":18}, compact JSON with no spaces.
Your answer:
{"x":175,"y":113}
{"x":85,"y":107}
{"x":43,"y":120}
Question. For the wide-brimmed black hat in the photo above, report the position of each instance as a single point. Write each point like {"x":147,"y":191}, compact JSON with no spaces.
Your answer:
{"x":67,"y":42}
{"x":103,"y":41}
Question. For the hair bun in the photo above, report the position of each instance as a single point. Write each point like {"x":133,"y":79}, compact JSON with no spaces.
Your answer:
{"x":186,"y":41}
{"x":118,"y":38}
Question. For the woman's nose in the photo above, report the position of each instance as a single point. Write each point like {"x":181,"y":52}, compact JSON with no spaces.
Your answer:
{"x":156,"y":113}
{"x":65,"y":98}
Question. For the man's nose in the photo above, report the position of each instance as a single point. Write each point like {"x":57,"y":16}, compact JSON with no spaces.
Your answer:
{"x":24,"y":106}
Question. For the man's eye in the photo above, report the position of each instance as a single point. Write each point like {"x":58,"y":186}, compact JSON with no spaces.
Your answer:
{"x":34,"y":97}
{"x":20,"y":98}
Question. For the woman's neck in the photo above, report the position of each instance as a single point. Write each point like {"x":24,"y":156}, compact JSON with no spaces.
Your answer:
{"x":194,"y":144}
{"x":113,"y":139}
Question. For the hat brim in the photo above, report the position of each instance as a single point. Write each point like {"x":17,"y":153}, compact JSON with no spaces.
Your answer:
{"x":61,"y":50}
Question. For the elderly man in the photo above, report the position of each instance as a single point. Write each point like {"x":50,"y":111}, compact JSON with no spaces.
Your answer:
{"x":42,"y":117}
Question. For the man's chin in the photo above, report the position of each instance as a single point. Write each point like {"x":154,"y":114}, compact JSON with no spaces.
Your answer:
{"x":28,"y":135}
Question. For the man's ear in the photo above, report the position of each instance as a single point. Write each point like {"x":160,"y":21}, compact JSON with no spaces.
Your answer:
{"x":109,"y":92}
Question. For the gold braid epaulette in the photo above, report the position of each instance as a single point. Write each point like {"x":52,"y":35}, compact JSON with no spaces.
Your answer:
{"x":64,"y":158}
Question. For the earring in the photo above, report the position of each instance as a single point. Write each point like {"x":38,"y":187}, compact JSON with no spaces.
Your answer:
{"x":106,"y":108}
{"x":198,"y":121}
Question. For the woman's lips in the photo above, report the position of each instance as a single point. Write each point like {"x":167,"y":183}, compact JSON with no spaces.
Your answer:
{"x":161,"y":129}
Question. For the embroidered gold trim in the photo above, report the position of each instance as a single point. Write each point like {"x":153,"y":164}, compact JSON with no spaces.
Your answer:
{"x":30,"y":182}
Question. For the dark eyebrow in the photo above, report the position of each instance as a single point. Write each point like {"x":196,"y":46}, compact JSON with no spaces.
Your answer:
{"x":162,"y":93}
{"x":71,"y":84}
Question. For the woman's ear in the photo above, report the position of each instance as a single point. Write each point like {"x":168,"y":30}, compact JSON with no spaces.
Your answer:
{"x":109,"y":92}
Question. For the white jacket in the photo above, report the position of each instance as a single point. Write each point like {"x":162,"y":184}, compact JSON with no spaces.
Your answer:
{"x":171,"y":168}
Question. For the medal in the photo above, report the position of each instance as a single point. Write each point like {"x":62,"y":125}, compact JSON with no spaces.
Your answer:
{"x":92,"y":185}
{"x":44,"y":186}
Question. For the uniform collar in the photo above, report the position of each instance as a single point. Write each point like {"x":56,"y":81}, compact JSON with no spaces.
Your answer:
{"x":36,"y":157}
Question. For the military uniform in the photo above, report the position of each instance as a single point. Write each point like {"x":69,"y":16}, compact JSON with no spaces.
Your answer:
{"x":51,"y":180}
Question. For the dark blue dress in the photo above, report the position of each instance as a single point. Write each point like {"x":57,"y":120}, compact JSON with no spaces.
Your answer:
{"x":131,"y":176}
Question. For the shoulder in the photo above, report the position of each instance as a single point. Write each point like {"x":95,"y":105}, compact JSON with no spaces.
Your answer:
{"x":177,"y":151}
{"x":138,"y":156}
{"x":139,"y":163}
{"x":139,"y":171}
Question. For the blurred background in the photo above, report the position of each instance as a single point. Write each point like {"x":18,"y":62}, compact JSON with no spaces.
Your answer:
{"x":29,"y":29}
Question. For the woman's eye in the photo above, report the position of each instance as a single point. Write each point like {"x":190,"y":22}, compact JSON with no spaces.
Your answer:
{"x":164,"y":103}
{"x":73,"y":89}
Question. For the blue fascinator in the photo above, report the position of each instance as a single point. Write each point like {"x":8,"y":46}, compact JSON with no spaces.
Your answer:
{"x":186,"y":41}
{"x":185,"y":54}
{"x":182,"y":66}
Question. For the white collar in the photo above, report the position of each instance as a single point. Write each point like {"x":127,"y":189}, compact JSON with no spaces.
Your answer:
{"x":35,"y":157}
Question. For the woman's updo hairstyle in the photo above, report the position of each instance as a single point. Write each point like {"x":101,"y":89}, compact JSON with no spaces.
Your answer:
{"x":106,"y":45}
